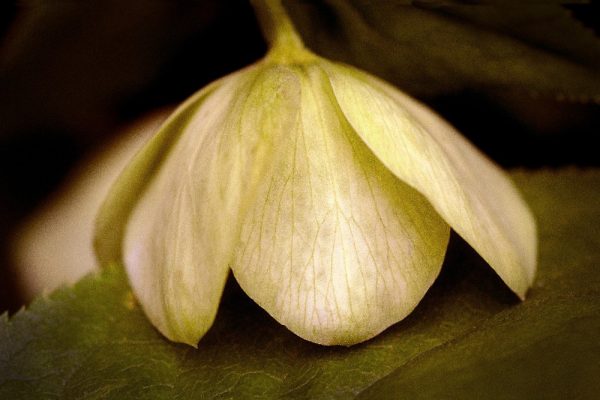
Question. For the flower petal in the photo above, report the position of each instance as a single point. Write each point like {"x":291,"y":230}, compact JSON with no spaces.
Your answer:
{"x":336,"y":247}
{"x":112,"y":218}
{"x":473,"y":195}
{"x":181,"y":233}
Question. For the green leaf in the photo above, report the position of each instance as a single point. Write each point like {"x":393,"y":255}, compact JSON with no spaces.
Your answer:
{"x":469,"y":337}
{"x":434,"y":47}
{"x":546,"y":347}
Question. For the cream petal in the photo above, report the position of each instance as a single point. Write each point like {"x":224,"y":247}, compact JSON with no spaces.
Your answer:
{"x":113,"y":215}
{"x":472,"y":194}
{"x":181,"y":233}
{"x":336,"y":247}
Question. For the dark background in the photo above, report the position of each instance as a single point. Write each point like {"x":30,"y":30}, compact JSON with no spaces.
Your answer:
{"x":71,"y":72}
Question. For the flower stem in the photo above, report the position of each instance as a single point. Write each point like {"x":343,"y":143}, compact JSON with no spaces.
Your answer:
{"x":285,"y":43}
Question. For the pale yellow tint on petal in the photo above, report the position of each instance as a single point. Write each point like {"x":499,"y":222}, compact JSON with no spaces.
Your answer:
{"x":474,"y":196}
{"x":336,"y":247}
{"x":114,"y":213}
{"x":180,"y":238}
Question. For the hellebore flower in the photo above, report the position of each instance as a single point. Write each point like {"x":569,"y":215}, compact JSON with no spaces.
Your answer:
{"x":329,"y":194}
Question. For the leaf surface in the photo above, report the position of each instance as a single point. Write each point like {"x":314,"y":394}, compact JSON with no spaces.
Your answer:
{"x":431,"y":48}
{"x":469,"y":337}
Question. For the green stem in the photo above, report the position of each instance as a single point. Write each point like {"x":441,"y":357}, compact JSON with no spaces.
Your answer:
{"x":284,"y":41}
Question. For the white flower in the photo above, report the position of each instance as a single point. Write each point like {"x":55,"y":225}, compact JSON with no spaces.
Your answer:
{"x":329,"y":194}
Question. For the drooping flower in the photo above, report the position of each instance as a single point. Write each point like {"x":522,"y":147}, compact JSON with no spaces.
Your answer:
{"x":329,"y":194}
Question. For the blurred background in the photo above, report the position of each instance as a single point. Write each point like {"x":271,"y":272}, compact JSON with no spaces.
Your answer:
{"x":520,"y":79}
